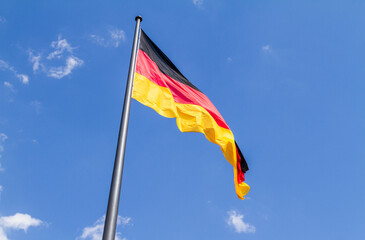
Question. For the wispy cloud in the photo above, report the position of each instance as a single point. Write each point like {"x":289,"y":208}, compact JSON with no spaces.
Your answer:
{"x":60,"y":46}
{"x":18,"y":221}
{"x":4,"y":66}
{"x":23,"y":78}
{"x":35,"y":59}
{"x":229,"y":59}
{"x":266,"y":48}
{"x":3,"y":138}
{"x":117,"y":36}
{"x":198,"y":3}
{"x":61,"y":51}
{"x":37,"y":106}
{"x":2,"y":20}
{"x":9,"y":85}
{"x":95,"y":232}
{"x":236,"y":221}
{"x":124,"y":220}
{"x":98,"y":40}
{"x":112,"y":39}
{"x":62,"y":71}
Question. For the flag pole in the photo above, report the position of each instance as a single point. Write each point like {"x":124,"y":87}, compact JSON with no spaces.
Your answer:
{"x":114,"y":195}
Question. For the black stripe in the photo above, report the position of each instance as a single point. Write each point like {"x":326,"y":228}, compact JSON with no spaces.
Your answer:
{"x":163,"y":62}
{"x":244,"y":166}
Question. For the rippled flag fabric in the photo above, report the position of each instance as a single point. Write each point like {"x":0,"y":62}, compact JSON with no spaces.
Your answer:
{"x":158,"y":84}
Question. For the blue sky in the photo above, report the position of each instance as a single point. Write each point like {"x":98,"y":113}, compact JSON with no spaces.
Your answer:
{"x":287,"y":76}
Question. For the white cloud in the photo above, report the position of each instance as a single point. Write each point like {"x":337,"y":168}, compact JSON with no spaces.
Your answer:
{"x":236,"y":221}
{"x":3,"y":235}
{"x":3,"y":65}
{"x":19,"y":221}
{"x":62,"y":71}
{"x":22,"y":77}
{"x":95,"y":232}
{"x":37,"y":106}
{"x":198,"y":3}
{"x":124,"y":220}
{"x":60,"y":46}
{"x":266,"y":48}
{"x":2,"y":19}
{"x":35,"y":59}
{"x":229,"y":59}
{"x":99,"y":40}
{"x":9,"y":85}
{"x":62,"y":51}
{"x":3,"y":138}
{"x":117,"y":36}
{"x":113,"y":39}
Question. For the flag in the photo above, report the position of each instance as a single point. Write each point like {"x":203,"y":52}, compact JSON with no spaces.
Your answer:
{"x":159,"y":85}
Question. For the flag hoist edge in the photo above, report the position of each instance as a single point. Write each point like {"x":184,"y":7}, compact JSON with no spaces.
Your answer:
{"x":159,"y":85}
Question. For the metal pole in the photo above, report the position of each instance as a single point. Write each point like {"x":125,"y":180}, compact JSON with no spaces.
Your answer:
{"x":113,"y":203}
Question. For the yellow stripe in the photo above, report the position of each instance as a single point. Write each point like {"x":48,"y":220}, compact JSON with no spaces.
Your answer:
{"x":189,"y":118}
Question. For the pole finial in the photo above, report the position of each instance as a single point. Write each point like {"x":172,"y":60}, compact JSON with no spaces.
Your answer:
{"x":138,"y":17}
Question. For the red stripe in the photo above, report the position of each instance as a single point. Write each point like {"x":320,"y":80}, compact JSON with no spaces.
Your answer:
{"x":240,"y":174}
{"x":180,"y":92}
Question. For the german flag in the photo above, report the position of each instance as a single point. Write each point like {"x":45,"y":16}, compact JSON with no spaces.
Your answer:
{"x":158,"y":84}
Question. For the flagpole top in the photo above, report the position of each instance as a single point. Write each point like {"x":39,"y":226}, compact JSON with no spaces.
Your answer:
{"x":139,"y":17}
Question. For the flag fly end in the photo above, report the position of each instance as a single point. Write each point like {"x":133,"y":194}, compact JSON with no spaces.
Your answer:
{"x":242,"y":189}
